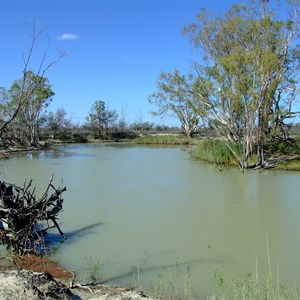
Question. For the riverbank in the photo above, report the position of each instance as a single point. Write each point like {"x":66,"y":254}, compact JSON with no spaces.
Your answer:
{"x":24,"y":284}
{"x":33,"y":277}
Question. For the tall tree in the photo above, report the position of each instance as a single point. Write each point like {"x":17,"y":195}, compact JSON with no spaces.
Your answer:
{"x":28,"y":119}
{"x":173,"y":98}
{"x":249,"y":73}
{"x":11,"y":108}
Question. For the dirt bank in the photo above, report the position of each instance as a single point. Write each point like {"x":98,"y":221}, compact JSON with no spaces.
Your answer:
{"x":34,"y":277}
{"x":28,"y":285}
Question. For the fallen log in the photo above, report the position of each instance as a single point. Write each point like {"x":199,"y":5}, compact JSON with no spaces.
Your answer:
{"x":21,"y":212}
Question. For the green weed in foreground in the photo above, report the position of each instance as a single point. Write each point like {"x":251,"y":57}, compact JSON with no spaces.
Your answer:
{"x":250,"y":287}
{"x":174,"y":282}
{"x":93,"y":270}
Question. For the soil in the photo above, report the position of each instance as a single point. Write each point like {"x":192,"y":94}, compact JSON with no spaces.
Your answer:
{"x":33,"y":277}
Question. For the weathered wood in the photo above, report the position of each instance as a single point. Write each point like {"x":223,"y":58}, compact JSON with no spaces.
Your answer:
{"x":21,"y":211}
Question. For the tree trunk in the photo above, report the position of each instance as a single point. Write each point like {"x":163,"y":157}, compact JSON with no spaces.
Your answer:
{"x":261,"y":138}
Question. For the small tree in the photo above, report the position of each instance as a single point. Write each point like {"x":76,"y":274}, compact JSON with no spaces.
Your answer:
{"x":173,"y":98}
{"x":56,"y":122}
{"x":101,"y":118}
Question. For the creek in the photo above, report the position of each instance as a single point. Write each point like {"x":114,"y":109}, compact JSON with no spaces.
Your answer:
{"x":155,"y":218}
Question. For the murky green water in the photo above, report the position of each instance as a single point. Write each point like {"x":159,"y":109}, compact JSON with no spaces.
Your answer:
{"x":157,"y":207}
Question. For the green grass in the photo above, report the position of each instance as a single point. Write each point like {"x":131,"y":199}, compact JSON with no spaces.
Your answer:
{"x":250,"y":287}
{"x":297,"y":138}
{"x":213,"y":151}
{"x":292,"y":165}
{"x":173,"y":283}
{"x":165,"y":140}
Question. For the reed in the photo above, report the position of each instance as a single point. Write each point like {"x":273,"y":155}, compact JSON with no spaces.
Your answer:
{"x":213,"y":151}
{"x":165,"y":140}
{"x":293,"y":165}
{"x":93,"y":270}
{"x":174,"y":282}
{"x":252,"y":287}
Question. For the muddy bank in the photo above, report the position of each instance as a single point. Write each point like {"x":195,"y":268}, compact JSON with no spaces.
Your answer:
{"x":25,"y":284}
{"x":34,"y":277}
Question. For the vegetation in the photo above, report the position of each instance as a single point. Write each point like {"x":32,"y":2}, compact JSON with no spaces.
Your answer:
{"x":244,"y":87}
{"x":157,"y":139}
{"x":22,"y":105}
{"x":214,"y":151}
{"x":251,"y":287}
{"x":246,"y":82}
{"x":174,"y":282}
{"x":101,"y":118}
{"x":173,"y":99}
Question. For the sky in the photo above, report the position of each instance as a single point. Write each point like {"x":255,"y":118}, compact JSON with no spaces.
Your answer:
{"x":116,"y":49}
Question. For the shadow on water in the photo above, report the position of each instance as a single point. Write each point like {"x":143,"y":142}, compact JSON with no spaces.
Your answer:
{"x":142,"y":269}
{"x":53,"y":239}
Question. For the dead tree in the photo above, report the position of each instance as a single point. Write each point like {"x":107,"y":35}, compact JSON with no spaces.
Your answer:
{"x":22,"y":214}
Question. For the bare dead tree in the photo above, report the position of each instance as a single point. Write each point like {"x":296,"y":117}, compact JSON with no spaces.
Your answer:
{"x":21,"y":213}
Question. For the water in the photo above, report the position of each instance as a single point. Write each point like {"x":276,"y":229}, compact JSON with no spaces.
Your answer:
{"x":151,"y":208}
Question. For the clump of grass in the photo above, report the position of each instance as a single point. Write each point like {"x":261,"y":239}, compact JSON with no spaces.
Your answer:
{"x":164,"y":140}
{"x":250,"y":287}
{"x":93,"y":270}
{"x":214,"y":151}
{"x":292,"y":165}
{"x":173,"y":283}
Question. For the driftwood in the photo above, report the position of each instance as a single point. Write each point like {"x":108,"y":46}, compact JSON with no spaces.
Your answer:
{"x":21,"y":213}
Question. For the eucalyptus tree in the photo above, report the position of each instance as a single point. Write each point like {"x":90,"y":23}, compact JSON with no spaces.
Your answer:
{"x":23,"y":93}
{"x":173,"y":98}
{"x":56,"y":122}
{"x":248,"y":75}
{"x":27,"y":122}
{"x":101,"y":118}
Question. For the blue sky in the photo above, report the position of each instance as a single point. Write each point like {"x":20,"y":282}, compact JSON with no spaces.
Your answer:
{"x":116,"y":49}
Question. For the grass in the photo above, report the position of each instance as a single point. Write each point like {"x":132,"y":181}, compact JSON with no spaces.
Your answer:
{"x":213,"y":151}
{"x":93,"y":270}
{"x":251,"y":287}
{"x":165,"y":140}
{"x":292,"y":165}
{"x":174,"y":282}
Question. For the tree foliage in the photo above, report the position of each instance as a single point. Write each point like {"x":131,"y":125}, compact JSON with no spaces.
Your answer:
{"x":173,"y":98}
{"x":22,"y":105}
{"x":248,"y":75}
{"x":100,"y":118}
{"x":26,"y":124}
{"x":56,"y":122}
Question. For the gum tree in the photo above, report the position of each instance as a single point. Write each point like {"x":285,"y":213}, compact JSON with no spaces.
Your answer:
{"x":101,"y":118}
{"x":172,"y":99}
{"x":13,"y":102}
{"x":248,"y":75}
{"x":26,"y":124}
